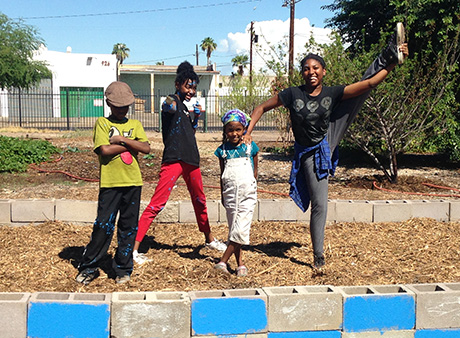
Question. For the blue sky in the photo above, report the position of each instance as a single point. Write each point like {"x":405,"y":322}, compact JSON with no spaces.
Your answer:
{"x":162,"y":30}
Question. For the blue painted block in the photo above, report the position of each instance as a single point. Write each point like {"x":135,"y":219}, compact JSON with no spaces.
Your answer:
{"x":69,"y":315}
{"x":228,"y":312}
{"x":384,"y":308}
{"x":306,"y":334}
{"x":452,"y":333}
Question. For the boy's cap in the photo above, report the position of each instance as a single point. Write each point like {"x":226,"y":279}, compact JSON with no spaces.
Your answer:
{"x":119,"y":94}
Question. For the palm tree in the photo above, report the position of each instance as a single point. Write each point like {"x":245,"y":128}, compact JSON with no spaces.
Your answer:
{"x":121,"y":51}
{"x":208,"y":45}
{"x":240,"y":61}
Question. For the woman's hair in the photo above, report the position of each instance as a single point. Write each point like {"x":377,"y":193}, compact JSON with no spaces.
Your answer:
{"x":185,"y":72}
{"x":314,"y":57}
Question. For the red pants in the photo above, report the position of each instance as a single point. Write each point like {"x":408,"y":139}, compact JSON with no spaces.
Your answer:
{"x":169,"y":174}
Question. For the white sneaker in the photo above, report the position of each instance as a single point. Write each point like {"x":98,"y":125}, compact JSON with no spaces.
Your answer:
{"x":140,"y":258}
{"x":400,"y":39}
{"x":216,"y":245}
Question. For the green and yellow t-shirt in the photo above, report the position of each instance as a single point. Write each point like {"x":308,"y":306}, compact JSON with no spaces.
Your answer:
{"x":120,"y":170}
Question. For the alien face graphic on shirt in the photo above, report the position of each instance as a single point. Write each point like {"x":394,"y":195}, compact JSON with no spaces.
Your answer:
{"x":125,"y":156}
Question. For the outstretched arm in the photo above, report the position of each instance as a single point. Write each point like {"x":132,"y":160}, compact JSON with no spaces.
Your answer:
{"x":257,"y":113}
{"x":358,"y":88}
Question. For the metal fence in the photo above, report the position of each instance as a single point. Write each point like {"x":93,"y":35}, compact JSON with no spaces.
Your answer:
{"x":73,"y":109}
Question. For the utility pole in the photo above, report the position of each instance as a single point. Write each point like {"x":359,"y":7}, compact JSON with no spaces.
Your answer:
{"x":250,"y":51}
{"x":254,"y":39}
{"x":196,"y":54}
{"x":291,"y":3}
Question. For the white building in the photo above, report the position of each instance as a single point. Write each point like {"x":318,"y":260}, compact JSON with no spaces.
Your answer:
{"x":77,"y":85}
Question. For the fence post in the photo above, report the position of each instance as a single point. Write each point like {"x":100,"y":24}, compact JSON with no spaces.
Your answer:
{"x":67,"y":103}
{"x":159,"y":112}
{"x":205,"y":119}
{"x":20,"y":108}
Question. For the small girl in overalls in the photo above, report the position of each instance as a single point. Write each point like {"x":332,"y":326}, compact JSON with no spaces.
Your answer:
{"x":238,"y":167}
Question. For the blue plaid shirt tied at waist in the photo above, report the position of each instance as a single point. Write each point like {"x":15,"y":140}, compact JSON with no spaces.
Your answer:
{"x":325,"y":165}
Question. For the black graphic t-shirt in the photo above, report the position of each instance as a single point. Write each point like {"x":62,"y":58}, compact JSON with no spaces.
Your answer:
{"x":179,"y":136}
{"x":310,"y":115}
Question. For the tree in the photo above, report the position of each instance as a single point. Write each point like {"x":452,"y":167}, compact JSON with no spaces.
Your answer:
{"x":240,"y":61}
{"x":208,"y":45}
{"x":360,"y":22}
{"x":121,"y":51}
{"x":18,"y":42}
{"x":240,"y":89}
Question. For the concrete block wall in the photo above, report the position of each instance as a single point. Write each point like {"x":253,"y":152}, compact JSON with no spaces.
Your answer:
{"x":437,"y":306}
{"x":228,"y":312}
{"x":60,"y":314}
{"x":19,"y":212}
{"x":150,"y":314}
{"x":379,"y":311}
{"x":13,"y":314}
{"x":378,"y":308}
{"x":304,"y":308}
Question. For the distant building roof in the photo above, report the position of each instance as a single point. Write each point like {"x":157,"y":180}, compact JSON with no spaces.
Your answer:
{"x":163,"y":69}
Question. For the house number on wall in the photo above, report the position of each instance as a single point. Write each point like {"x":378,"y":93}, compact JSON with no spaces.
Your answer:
{"x":105,"y":63}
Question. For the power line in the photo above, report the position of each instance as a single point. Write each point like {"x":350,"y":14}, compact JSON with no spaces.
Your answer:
{"x":141,"y":11}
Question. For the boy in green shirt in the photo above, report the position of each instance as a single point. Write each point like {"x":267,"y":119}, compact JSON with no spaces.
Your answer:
{"x":117,"y":141}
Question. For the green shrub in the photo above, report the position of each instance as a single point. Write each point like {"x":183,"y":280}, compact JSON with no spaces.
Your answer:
{"x":17,"y":153}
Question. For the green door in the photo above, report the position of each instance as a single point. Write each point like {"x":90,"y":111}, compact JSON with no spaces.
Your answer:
{"x":82,"y":101}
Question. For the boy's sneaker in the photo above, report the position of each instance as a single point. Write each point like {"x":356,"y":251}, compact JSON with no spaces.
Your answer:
{"x":122,"y":279}
{"x":87,"y":275}
{"x":319,"y":261}
{"x":140,"y":258}
{"x":400,"y":39}
{"x":216,"y":245}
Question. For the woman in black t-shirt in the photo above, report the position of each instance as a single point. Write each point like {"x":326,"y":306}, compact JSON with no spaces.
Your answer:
{"x":320,"y":116}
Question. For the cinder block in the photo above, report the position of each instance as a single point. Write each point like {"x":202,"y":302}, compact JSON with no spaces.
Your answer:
{"x":13,"y":314}
{"x":279,"y":210}
{"x":69,"y":315}
{"x":169,"y":214}
{"x":377,"y":308}
{"x":438,"y":305}
{"x":228,"y":312}
{"x":5,"y":211}
{"x":32,"y":210}
{"x":287,"y":210}
{"x":305,"y":334}
{"x":354,"y":211}
{"x":452,"y":333}
{"x":223,"y":213}
{"x":378,"y":334}
{"x":150,"y":314}
{"x":436,"y":209}
{"x":454,"y":211}
{"x":304,"y":308}
{"x":187,"y":213}
{"x":392,"y":211}
{"x":76,"y":211}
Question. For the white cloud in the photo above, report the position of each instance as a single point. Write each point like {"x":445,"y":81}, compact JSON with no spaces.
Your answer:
{"x":272,"y":34}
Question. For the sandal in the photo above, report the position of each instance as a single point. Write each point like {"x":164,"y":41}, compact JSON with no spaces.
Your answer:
{"x":242,"y":271}
{"x":222,"y":267}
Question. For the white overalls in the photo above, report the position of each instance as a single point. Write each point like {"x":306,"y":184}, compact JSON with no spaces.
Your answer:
{"x":239,"y":195}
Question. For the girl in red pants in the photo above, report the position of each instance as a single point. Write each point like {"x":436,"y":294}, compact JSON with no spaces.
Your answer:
{"x":180,"y":157}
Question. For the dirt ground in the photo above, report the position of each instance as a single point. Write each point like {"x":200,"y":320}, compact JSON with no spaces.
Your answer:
{"x":43,"y":257}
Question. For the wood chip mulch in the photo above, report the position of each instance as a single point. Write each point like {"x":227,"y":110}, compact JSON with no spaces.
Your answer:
{"x":43,"y":257}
